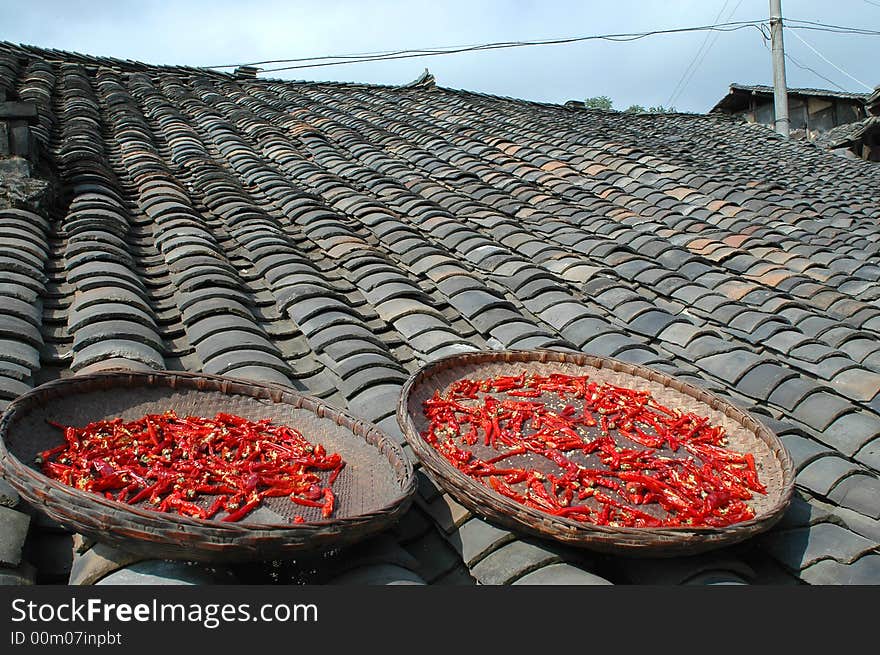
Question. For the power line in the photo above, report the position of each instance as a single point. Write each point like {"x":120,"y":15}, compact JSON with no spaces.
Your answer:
{"x":831,"y":63}
{"x":870,"y":2}
{"x":792,"y":23}
{"x":448,"y":50}
{"x":766,"y":39}
{"x":696,"y":56}
{"x":698,"y":61}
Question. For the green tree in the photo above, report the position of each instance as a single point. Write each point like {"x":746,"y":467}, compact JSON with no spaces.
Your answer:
{"x":598,"y":102}
{"x":639,"y":109}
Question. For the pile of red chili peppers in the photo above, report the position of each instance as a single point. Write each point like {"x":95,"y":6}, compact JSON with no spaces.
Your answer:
{"x":670,"y":468}
{"x":227,"y":463}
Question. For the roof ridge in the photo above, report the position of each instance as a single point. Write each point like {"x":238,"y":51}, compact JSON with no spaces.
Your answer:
{"x":802,"y":91}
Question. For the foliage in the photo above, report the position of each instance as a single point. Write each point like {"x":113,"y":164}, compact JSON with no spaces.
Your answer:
{"x":604,"y":102}
{"x":639,"y":109}
{"x":598,"y":102}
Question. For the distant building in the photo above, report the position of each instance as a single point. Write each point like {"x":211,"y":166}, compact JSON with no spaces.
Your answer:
{"x":836,"y":120}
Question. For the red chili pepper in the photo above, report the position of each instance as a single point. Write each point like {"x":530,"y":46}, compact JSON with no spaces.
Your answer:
{"x":241,"y":512}
{"x":329,"y":502}
{"x":708,"y":487}
{"x":170,"y":461}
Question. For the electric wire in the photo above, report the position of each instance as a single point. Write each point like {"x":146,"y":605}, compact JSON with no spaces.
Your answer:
{"x":829,"y":62}
{"x":702,"y":57}
{"x":337,"y":60}
{"x":696,"y":56}
{"x":794,"y":23}
{"x":766,"y":41}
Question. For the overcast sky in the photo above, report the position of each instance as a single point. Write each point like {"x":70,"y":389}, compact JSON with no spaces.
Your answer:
{"x":646,"y":72}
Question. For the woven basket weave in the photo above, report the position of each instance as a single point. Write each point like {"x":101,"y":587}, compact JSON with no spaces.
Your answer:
{"x":744,"y":432}
{"x":374,"y":489}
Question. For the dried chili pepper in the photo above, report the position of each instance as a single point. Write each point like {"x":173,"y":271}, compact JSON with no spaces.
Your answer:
{"x":195,"y":466}
{"x":647,"y":479}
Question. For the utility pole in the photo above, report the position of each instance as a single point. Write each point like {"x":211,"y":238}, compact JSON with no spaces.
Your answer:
{"x":780,"y":90}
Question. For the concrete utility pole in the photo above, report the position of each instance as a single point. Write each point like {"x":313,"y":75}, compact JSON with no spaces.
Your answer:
{"x":780,"y":90}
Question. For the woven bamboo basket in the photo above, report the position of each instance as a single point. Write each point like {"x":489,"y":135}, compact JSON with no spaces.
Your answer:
{"x":745,"y":434}
{"x":374,"y":489}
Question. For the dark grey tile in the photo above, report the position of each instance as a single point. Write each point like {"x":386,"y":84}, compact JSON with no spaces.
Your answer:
{"x":729,"y":366}
{"x":459,"y":576}
{"x":547,"y":300}
{"x":433,"y":339}
{"x":266,"y":375}
{"x":198,"y":310}
{"x":803,"y":450}
{"x":305,"y":309}
{"x":228,"y":361}
{"x":117,"y":348}
{"x":470,"y":303}
{"x":229,"y":340}
{"x":848,"y":433}
{"x":762,"y":380}
{"x":8,"y":495}
{"x":428,"y":489}
{"x":707,"y":345}
{"x":791,"y":392}
{"x":205,"y":327}
{"x":859,"y":492}
{"x":511,"y":562}
{"x":413,"y":525}
{"x":375,"y":402}
{"x":869,"y":454}
{"x":822,"y":474}
{"x":13,"y":533}
{"x":488,"y":320}
{"x":344,"y":339}
{"x":819,"y":409}
{"x":413,"y":325}
{"x":680,"y":333}
{"x":864,"y":571}
{"x":434,"y":555}
{"x":10,"y":388}
{"x":609,"y":344}
{"x":857,"y":383}
{"x":652,"y":323}
{"x":358,"y":362}
{"x":106,"y":312}
{"x":800,"y":548}
{"x":114,"y":329}
{"x":10,"y":305}
{"x":476,"y":538}
{"x":446,"y":513}
{"x":324,"y":320}
{"x":802,"y":513}
{"x":582,"y":330}
{"x":561,"y":573}
{"x":378,"y":574}
{"x":562,"y":314}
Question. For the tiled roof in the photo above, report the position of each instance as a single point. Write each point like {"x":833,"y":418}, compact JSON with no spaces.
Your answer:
{"x":873,"y":102}
{"x":737,"y":90}
{"x":802,"y":91}
{"x":334,"y":237}
{"x":843,"y":135}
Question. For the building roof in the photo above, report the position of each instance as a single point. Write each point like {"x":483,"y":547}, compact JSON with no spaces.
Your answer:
{"x":334,"y":237}
{"x":873,"y":102}
{"x":845,"y":135}
{"x":737,"y":96}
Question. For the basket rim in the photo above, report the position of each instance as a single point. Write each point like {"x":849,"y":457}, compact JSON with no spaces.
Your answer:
{"x":669,"y":536}
{"x":24,"y":477}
